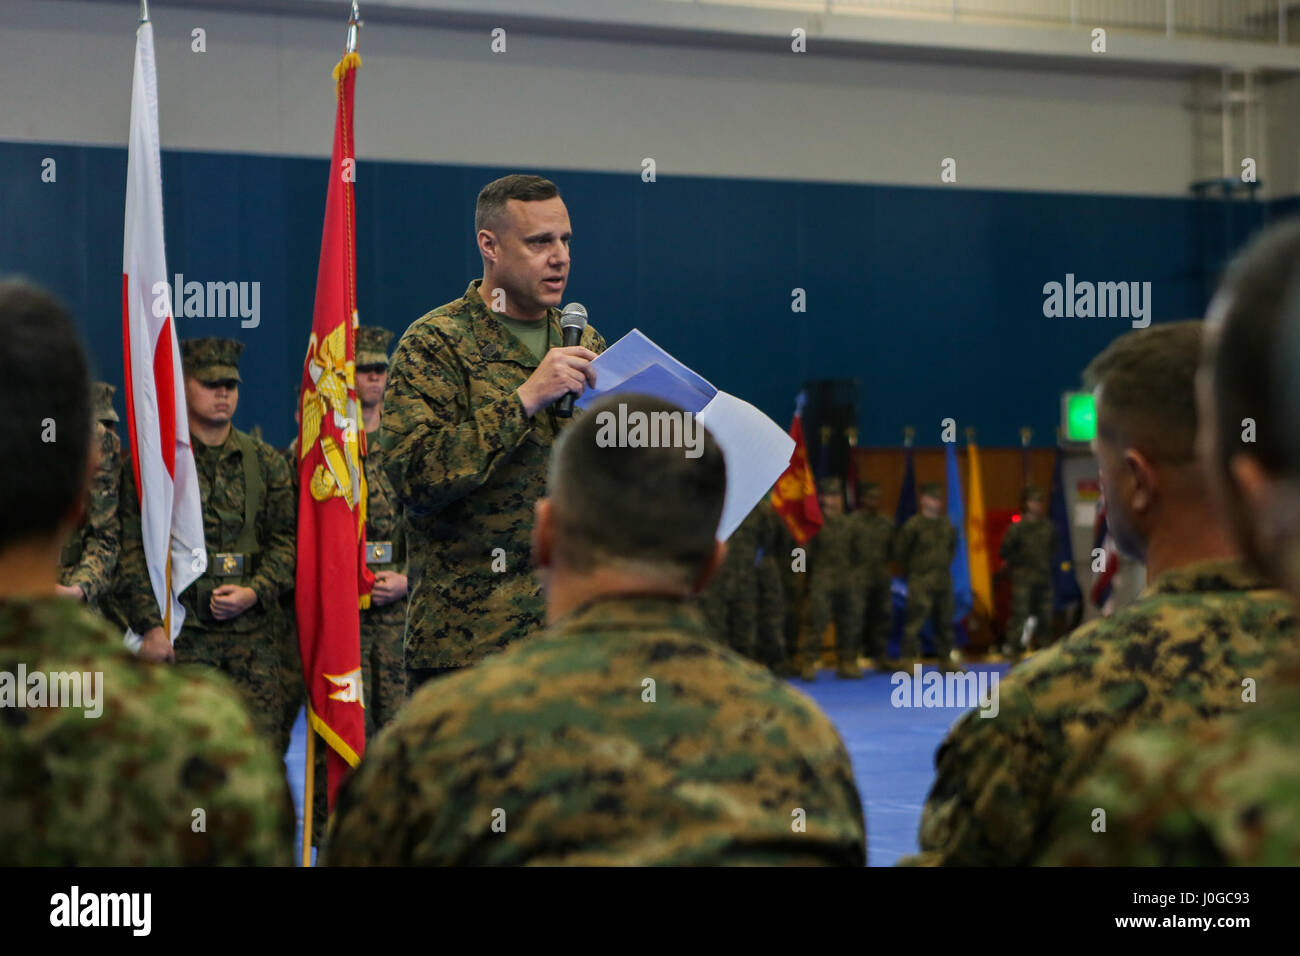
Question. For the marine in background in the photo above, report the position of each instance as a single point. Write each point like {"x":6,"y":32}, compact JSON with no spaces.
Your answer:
{"x":1027,"y":549}
{"x":730,"y":602}
{"x":836,"y":585}
{"x":233,"y":621}
{"x":383,"y":622}
{"x":925,"y":547}
{"x":90,"y":556}
{"x":877,"y":543}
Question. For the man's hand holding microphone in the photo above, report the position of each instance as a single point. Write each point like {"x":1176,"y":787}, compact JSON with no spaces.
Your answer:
{"x":563,"y":373}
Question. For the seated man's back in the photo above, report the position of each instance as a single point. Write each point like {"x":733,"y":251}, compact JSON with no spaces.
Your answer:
{"x":139,"y":765}
{"x":561,"y":751}
{"x":626,"y":732}
{"x":1176,"y":655}
{"x":1223,"y":793}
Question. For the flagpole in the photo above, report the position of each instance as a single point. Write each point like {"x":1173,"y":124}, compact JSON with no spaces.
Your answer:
{"x":309,"y":776}
{"x":144,"y":11}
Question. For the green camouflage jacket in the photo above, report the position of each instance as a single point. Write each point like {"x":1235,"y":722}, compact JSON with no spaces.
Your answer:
{"x":221,"y":488}
{"x":624,"y":735}
{"x":90,"y":557}
{"x":467,"y":466}
{"x":925,"y":548}
{"x":1177,"y":654}
{"x":1222,"y":793}
{"x":384,"y":531}
{"x":170,"y":773}
{"x":876,"y":541}
{"x":1027,"y":547}
{"x":835,"y":553}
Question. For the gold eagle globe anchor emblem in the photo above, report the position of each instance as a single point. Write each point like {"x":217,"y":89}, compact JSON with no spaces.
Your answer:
{"x":332,"y":375}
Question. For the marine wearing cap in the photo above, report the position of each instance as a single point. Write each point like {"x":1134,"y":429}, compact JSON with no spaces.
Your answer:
{"x":246,"y":490}
{"x":212,"y":359}
{"x":877,"y":540}
{"x":101,"y":397}
{"x":925,"y":546}
{"x":372,"y":345}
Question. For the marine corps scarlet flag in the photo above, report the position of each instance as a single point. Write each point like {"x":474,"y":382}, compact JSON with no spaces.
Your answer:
{"x":795,"y":494}
{"x":333,"y":582}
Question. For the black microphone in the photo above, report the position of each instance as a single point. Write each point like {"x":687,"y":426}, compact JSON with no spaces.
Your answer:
{"x":573,"y":319}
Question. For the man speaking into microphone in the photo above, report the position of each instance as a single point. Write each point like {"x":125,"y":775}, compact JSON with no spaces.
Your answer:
{"x":470,"y":414}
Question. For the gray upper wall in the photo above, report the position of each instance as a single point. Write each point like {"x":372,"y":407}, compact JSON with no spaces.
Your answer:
{"x":438,"y":94}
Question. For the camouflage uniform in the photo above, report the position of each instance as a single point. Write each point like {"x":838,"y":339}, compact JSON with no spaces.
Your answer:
{"x":730,"y":602}
{"x":877,"y":543}
{"x":772,"y":555}
{"x":121,"y":789}
{"x":467,"y":465}
{"x":835,"y":589}
{"x":558,"y":735}
{"x":1176,"y":655}
{"x":794,"y":590}
{"x":247,"y":648}
{"x":381,"y":626}
{"x":293,"y":691}
{"x":1222,"y":793}
{"x":926,"y":547}
{"x":90,"y":555}
{"x":1027,"y":549}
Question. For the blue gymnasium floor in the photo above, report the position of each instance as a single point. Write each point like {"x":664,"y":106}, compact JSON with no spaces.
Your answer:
{"x":892,"y":750}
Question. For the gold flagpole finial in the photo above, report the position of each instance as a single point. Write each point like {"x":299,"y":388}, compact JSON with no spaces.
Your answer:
{"x":970,"y":436}
{"x":908,"y":434}
{"x":354,"y":27}
{"x":1026,"y":433}
{"x":144,"y":11}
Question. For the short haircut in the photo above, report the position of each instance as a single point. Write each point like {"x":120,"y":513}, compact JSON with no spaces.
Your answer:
{"x":45,"y":389}
{"x":1148,"y":390}
{"x":648,"y":507}
{"x":492,"y":198}
{"x":1248,"y":380}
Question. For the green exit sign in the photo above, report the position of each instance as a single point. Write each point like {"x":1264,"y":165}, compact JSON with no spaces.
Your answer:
{"x":1079,"y":416}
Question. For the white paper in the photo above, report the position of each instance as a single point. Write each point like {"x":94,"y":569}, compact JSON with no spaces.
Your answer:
{"x":756,"y":449}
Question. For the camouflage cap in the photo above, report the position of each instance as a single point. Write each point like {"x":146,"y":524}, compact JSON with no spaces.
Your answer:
{"x":933,"y":489}
{"x":372,"y":345}
{"x":211,"y":359}
{"x":1031,"y":493}
{"x":101,"y":397}
{"x":830,"y":486}
{"x":868,"y":487}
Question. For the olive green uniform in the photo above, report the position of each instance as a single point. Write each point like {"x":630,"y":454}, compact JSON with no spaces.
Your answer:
{"x":1027,"y":550}
{"x":467,"y":465}
{"x":627,"y":734}
{"x":169,"y":773}
{"x":382,"y":626}
{"x":730,"y":601}
{"x":835,"y":588}
{"x":1175,"y":656}
{"x":250,"y":542}
{"x":925,"y":549}
{"x":90,"y":555}
{"x":876,"y":535}
{"x":1222,"y":793}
